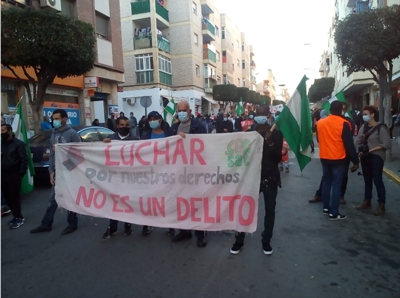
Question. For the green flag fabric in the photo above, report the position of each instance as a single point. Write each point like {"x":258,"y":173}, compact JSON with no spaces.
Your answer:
{"x":239,"y":108}
{"x":18,"y":127}
{"x":340,"y":97}
{"x":295,"y":124}
{"x":169,"y":112}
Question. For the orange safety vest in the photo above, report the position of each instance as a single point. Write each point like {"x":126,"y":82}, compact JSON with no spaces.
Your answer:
{"x":331,"y":145}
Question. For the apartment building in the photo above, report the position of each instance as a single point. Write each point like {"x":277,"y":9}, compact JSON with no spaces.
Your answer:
{"x":253,"y":69}
{"x":86,"y":97}
{"x":268,"y":86}
{"x":359,"y":87}
{"x":177,"y":49}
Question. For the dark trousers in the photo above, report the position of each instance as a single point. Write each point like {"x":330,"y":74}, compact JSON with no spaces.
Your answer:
{"x":199,"y":234}
{"x":11,"y":189}
{"x":372,"y":167}
{"x":270,"y":194}
{"x":345,"y":179}
{"x":318,"y":193}
{"x":332,"y":176}
{"x":114,"y":225}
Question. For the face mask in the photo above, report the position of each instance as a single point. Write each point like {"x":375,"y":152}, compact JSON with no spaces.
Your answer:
{"x":261,"y":119}
{"x":366,"y":118}
{"x":343,"y":113}
{"x":123,"y":131}
{"x":154,"y":124}
{"x":251,"y":116}
{"x":183,"y":116}
{"x":56,"y":123}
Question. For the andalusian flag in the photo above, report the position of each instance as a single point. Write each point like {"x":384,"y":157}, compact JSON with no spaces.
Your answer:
{"x":169,"y":112}
{"x":239,"y":108}
{"x":19,"y":129}
{"x":340,"y":97}
{"x":295,"y":124}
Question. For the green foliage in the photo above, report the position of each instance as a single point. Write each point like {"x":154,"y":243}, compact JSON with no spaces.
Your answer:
{"x":276,"y":102}
{"x":364,"y":41}
{"x":242,"y":92}
{"x":47,"y":41}
{"x":225,"y":93}
{"x":266,"y":100}
{"x":321,"y":88}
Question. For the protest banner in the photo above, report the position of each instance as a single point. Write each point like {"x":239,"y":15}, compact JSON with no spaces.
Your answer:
{"x":203,"y":182}
{"x":246,"y":124}
{"x":277,"y":108}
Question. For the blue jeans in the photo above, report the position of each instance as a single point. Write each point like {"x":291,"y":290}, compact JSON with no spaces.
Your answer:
{"x":332,"y":181}
{"x":372,"y":167}
{"x":48,"y":217}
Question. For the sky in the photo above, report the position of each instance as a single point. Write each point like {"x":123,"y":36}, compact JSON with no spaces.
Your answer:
{"x":288,"y":36}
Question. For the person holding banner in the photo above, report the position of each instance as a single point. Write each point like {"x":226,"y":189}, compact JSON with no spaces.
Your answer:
{"x":122,"y":134}
{"x":62,"y":133}
{"x":270,"y":177}
{"x":14,"y":164}
{"x":187,"y":125}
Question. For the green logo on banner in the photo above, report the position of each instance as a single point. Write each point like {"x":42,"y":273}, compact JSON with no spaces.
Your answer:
{"x":238,"y":152}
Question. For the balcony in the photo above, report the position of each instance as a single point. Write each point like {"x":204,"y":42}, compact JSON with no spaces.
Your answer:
{"x":140,"y":7}
{"x":163,"y":44}
{"x":144,"y":77}
{"x":165,"y":78}
{"x":162,"y":11}
{"x":206,"y":7}
{"x":208,"y":31}
{"x":209,"y":54}
{"x":145,"y":42}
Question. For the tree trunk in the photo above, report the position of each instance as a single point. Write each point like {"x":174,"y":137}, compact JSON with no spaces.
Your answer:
{"x":385,"y":103}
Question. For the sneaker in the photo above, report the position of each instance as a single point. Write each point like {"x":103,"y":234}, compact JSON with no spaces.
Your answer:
{"x":287,"y":170}
{"x":109,"y":233}
{"x":128,"y":230}
{"x":171,"y":232}
{"x":10,"y":223}
{"x":201,"y":242}
{"x":236,"y":248}
{"x":146,"y":230}
{"x":39,"y":229}
{"x":68,"y":230}
{"x":267,"y":249}
{"x":325,"y":211}
{"x":336,"y":217}
{"x":17,"y":223}
{"x":182,"y":235}
{"x":5,"y":210}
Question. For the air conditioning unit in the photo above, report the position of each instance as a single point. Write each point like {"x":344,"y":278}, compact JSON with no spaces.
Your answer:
{"x":131,"y":101}
{"x":55,"y":4}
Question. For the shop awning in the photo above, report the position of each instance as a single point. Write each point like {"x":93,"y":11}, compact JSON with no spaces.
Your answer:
{"x":210,"y":100}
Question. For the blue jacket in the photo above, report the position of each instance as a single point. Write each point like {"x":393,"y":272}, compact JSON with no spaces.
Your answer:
{"x":195,"y":128}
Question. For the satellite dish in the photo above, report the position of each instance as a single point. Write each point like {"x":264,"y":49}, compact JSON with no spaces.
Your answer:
{"x":145,"y":102}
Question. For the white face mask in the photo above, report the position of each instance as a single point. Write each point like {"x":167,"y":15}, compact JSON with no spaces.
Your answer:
{"x":183,"y":116}
{"x":261,"y":119}
{"x":366,"y":118}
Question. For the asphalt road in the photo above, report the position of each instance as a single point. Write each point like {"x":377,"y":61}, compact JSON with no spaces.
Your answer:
{"x":313,"y":257}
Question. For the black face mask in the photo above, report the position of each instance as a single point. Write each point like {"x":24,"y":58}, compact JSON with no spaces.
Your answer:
{"x":123,"y":131}
{"x":5,"y":136}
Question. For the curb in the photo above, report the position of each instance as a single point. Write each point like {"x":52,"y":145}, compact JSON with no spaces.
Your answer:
{"x":392,"y":175}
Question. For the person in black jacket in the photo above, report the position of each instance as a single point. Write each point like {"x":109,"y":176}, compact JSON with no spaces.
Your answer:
{"x":14,"y":164}
{"x":187,"y":124}
{"x":226,"y":125}
{"x":270,"y":177}
{"x":122,"y":134}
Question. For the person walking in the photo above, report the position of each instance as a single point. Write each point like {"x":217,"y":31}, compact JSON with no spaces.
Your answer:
{"x":62,"y":133}
{"x":208,"y":123}
{"x":45,"y":125}
{"x":335,"y":146}
{"x":187,"y":125}
{"x":372,"y":141}
{"x":14,"y":164}
{"x":270,"y":177}
{"x":133,"y":124}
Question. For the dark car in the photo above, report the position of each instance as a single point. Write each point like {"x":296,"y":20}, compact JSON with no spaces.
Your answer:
{"x":40,"y":145}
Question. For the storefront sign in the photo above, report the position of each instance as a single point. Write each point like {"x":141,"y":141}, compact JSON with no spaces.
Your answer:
{"x":91,"y":82}
{"x":72,"y":110}
{"x":64,"y":92}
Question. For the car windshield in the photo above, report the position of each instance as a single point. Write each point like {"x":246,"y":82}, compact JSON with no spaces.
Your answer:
{"x":42,"y":139}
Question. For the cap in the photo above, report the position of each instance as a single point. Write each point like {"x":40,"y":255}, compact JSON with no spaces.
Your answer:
{"x":154,"y":114}
{"x":198,"y":114}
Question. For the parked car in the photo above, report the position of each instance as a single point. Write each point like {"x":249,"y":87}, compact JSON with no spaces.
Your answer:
{"x":40,"y":146}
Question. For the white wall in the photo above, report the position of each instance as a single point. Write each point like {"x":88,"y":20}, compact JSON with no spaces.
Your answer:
{"x":102,"y":6}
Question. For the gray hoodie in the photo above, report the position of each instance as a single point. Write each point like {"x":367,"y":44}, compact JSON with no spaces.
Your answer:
{"x":66,"y":135}
{"x":380,"y":137}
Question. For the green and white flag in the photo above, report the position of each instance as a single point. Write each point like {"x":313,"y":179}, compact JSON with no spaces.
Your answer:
{"x":239,"y":108}
{"x":340,"y":97}
{"x":19,"y":129}
{"x":295,"y":124}
{"x":169,"y":112}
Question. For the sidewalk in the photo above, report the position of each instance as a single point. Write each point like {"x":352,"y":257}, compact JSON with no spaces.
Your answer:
{"x":391,"y":167}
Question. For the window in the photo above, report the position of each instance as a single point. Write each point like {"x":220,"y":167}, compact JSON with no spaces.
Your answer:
{"x":242,"y":46}
{"x":243,"y":64}
{"x":238,"y":62}
{"x":217,"y":55}
{"x":164,"y":64}
{"x":233,"y":66}
{"x":67,"y":8}
{"x":144,"y":68}
{"x":237,"y":43}
{"x":216,"y":31}
{"x":223,"y":33}
{"x":197,"y":70}
{"x":219,"y":80}
{"x":225,"y":81}
{"x":196,"y":39}
{"x":195,"y":8}
{"x":102,"y":26}
{"x":238,"y":84}
{"x":244,"y":83}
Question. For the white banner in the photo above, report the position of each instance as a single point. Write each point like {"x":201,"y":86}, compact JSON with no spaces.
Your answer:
{"x":277,"y":108}
{"x":203,"y":182}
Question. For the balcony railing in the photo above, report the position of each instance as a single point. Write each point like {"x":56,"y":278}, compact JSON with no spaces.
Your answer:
{"x":143,"y":77}
{"x":163,"y":44}
{"x":165,"y":78}
{"x":210,"y":55}
{"x":207,"y":25}
{"x":145,"y":42}
{"x":140,"y":7}
{"x":162,"y":11}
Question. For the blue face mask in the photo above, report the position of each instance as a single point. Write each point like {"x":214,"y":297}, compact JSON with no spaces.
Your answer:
{"x":154,"y":124}
{"x":183,"y":116}
{"x":225,"y":119}
{"x":261,"y":119}
{"x":56,"y":123}
{"x":251,"y":116}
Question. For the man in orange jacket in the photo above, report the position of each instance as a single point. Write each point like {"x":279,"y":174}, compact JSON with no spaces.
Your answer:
{"x":335,"y":145}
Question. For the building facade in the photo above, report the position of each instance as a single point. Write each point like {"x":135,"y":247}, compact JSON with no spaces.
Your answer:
{"x":177,"y":49}
{"x":86,"y":97}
